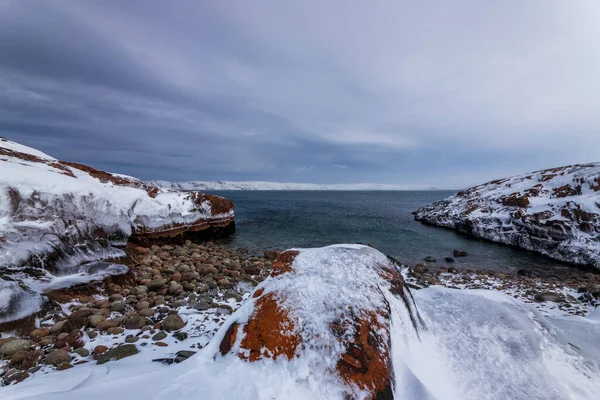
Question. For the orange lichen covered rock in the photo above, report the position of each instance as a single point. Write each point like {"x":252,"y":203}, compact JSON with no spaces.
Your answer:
{"x":329,"y":304}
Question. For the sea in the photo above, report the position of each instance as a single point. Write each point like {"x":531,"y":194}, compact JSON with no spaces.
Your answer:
{"x":382,"y":219}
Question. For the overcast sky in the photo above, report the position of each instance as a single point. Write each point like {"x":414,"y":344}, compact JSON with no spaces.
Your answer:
{"x":444,"y":93}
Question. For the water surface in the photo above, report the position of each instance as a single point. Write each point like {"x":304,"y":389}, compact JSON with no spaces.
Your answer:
{"x":284,"y":219}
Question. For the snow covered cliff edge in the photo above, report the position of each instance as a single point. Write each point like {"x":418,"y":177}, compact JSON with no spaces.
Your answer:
{"x":555,"y":212}
{"x":55,"y":214}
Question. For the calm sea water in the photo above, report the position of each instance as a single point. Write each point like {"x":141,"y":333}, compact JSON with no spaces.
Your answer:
{"x":282,"y":219}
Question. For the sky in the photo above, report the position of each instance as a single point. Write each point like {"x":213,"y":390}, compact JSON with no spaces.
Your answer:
{"x":435,"y":93}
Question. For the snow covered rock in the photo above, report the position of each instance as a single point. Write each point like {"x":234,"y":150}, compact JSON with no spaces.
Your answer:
{"x":57,"y":215}
{"x":555,"y":212}
{"x":325,"y":313}
{"x":50,"y":209}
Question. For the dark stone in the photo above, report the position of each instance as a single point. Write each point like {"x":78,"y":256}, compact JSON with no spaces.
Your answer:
{"x":118,"y":353}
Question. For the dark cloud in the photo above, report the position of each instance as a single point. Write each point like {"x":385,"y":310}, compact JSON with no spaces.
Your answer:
{"x":309,"y":91}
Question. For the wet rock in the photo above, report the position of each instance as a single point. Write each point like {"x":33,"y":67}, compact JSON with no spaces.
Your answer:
{"x":125,"y":350}
{"x":449,"y":259}
{"x":453,"y":270}
{"x":156,"y":284}
{"x":430,"y":259}
{"x":460,"y":253}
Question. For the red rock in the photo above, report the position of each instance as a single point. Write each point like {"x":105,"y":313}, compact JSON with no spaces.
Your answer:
{"x":100,"y":349}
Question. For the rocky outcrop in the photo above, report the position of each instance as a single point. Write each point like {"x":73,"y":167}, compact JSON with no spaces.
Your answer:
{"x":57,"y":216}
{"x":52,"y":210}
{"x":332,"y":304}
{"x":555,"y":212}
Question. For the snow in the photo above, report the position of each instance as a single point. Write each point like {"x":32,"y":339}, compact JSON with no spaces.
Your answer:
{"x":262,"y":185}
{"x":478,"y":344}
{"x":565,"y":226}
{"x":60,"y":209}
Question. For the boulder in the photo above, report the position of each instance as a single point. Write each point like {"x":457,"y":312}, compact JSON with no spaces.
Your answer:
{"x":57,"y":357}
{"x":172,"y":323}
{"x":352,"y":331}
{"x":11,"y":347}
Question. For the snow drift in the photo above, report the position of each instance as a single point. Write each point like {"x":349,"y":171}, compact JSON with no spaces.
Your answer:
{"x":471,"y":345}
{"x":555,"y":212}
{"x":56,"y":215}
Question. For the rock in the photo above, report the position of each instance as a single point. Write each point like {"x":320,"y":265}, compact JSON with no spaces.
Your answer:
{"x":183,"y":355}
{"x":271,"y":254}
{"x":79,"y":318}
{"x":181,"y":336}
{"x":63,"y":366}
{"x":156,"y":284}
{"x":95,"y":320}
{"x":91,"y":334}
{"x":421,"y":268}
{"x":117,"y":306}
{"x":125,"y":350}
{"x":75,"y":339}
{"x":449,"y":259}
{"x":136,"y":322}
{"x":100,"y":350}
{"x":61,"y":326}
{"x":115,"y":297}
{"x":549,"y":211}
{"x":11,"y":347}
{"x":224,"y":309}
{"x":147,"y":312}
{"x":159,"y":336}
{"x":57,"y":357}
{"x":172,"y":323}
{"x":18,"y":357}
{"x":460,"y":253}
{"x":109,"y":323}
{"x":202,"y":306}
{"x":548,"y":296}
{"x":82,"y":352}
{"x":160,"y":344}
{"x":429,"y":259}
{"x":115,"y":330}
{"x":18,"y":376}
{"x":38,"y":334}
{"x":453,"y":270}
{"x":232,"y":294}
{"x":32,"y":359}
{"x":131,"y":339}
{"x":142,"y":305}
{"x":526,"y":272}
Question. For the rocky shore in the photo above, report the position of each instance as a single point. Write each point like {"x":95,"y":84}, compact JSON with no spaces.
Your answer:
{"x":563,"y":291}
{"x":175,"y":298}
{"x":170,"y":304}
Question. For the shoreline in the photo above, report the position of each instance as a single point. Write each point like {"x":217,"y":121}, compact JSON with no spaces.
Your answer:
{"x":175,"y":297}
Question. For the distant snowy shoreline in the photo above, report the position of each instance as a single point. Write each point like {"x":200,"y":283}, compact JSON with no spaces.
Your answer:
{"x":261,"y":185}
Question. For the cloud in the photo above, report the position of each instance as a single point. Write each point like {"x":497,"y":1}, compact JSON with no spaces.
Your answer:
{"x":436,"y":93}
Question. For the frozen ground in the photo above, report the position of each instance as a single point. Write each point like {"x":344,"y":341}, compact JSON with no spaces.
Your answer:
{"x":478,"y":344}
